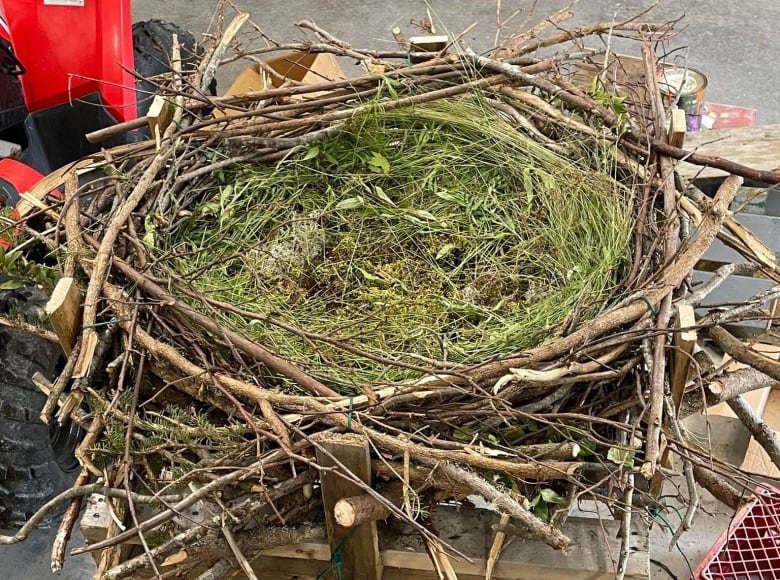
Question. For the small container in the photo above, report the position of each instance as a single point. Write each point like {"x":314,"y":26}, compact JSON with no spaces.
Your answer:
{"x":687,"y":86}
{"x":750,"y":548}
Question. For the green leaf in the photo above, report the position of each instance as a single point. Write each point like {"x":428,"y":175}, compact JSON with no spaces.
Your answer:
{"x":380,"y":193}
{"x":351,"y":203}
{"x":379,"y":163}
{"x":550,"y":496}
{"x":445,"y":250}
{"x":11,"y":284}
{"x":11,"y":258}
{"x":446,"y":196}
{"x":421,"y":213}
{"x":148,"y":238}
{"x":373,"y":278}
{"x":540,"y":511}
{"x":391,"y":89}
{"x":312,"y":153}
{"x":621,"y":456}
{"x":463,"y":434}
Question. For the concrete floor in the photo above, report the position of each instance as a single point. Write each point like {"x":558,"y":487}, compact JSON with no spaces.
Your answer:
{"x":731,"y":43}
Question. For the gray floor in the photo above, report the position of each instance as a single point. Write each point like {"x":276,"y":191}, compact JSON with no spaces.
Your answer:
{"x":732,"y":43}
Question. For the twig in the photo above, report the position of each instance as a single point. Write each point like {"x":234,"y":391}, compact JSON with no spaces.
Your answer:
{"x":65,"y":529}
{"x":690,"y":479}
{"x":741,"y":352}
{"x":68,"y":494}
{"x":240,"y":558}
{"x":625,"y":544}
{"x":168,"y":514}
{"x":528,"y":524}
{"x":495,"y":549}
{"x":59,"y":386}
{"x":760,"y":431}
{"x":219,"y":51}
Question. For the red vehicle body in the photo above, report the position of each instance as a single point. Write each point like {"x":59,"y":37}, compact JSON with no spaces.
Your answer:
{"x":64,"y":71}
{"x":71,"y":48}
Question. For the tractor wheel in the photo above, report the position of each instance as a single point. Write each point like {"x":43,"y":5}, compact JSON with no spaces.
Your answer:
{"x":152,"y":44}
{"x":36,"y":460}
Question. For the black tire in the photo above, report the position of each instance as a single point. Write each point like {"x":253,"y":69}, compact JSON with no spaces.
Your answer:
{"x":34,"y":466}
{"x":152,"y":45}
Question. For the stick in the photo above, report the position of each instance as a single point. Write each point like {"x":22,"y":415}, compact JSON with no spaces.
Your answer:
{"x":625,"y":544}
{"x":240,"y":558}
{"x":495,"y":549}
{"x":171,"y":512}
{"x":352,"y":511}
{"x":58,"y":388}
{"x":741,"y":352}
{"x":187,"y":538}
{"x":760,"y":431}
{"x":718,"y":487}
{"x":529,"y":525}
{"x":219,"y":52}
{"x":723,"y":388}
{"x":690,"y":479}
{"x":24,"y":532}
{"x":60,"y":544}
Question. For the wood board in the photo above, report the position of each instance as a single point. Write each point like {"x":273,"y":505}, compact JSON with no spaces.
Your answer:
{"x":588,"y":557}
{"x":756,"y":147}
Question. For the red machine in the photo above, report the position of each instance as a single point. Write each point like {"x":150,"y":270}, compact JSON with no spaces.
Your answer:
{"x":64,"y":50}
{"x":64,"y":72}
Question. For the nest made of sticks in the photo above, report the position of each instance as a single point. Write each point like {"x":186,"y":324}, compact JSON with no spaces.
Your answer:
{"x":468,"y":261}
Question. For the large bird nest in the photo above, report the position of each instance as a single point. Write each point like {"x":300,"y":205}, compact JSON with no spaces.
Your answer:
{"x":466,"y":260}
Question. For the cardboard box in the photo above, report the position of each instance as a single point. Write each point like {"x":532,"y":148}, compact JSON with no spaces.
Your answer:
{"x":301,"y":67}
{"x":757,"y":399}
{"x":756,"y":459}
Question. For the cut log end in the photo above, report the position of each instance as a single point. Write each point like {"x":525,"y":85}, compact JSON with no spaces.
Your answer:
{"x":345,"y":514}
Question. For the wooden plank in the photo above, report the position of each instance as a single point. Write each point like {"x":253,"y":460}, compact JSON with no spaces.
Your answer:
{"x":64,"y":310}
{"x":590,"y":555}
{"x":756,"y":147}
{"x":765,"y":228}
{"x":359,"y":545}
{"x":158,"y":118}
{"x":683,"y":342}
{"x":677,"y":128}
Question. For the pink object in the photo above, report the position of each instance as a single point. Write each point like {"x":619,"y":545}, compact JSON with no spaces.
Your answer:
{"x":717,"y":116}
{"x":750,"y":548}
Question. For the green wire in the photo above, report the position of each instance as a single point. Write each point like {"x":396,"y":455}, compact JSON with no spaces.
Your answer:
{"x":657,"y":514}
{"x":337,"y":558}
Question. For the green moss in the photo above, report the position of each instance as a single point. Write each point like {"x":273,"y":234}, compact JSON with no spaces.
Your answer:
{"x":411,"y":233}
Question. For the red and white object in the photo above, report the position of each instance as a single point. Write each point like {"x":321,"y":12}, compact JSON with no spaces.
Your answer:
{"x":750,"y":548}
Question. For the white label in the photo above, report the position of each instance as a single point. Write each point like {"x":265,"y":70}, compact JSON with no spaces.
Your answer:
{"x":63,"y":2}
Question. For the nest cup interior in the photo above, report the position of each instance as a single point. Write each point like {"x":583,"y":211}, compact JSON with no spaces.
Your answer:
{"x":429,"y":233}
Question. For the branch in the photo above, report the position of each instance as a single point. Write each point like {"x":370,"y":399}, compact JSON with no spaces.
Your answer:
{"x":760,"y":431}
{"x":529,"y":525}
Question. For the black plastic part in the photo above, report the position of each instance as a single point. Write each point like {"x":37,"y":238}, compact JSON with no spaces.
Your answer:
{"x":152,"y":45}
{"x":56,"y":136}
{"x":8,"y":61}
{"x":9,"y":196}
{"x":12,"y":108}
